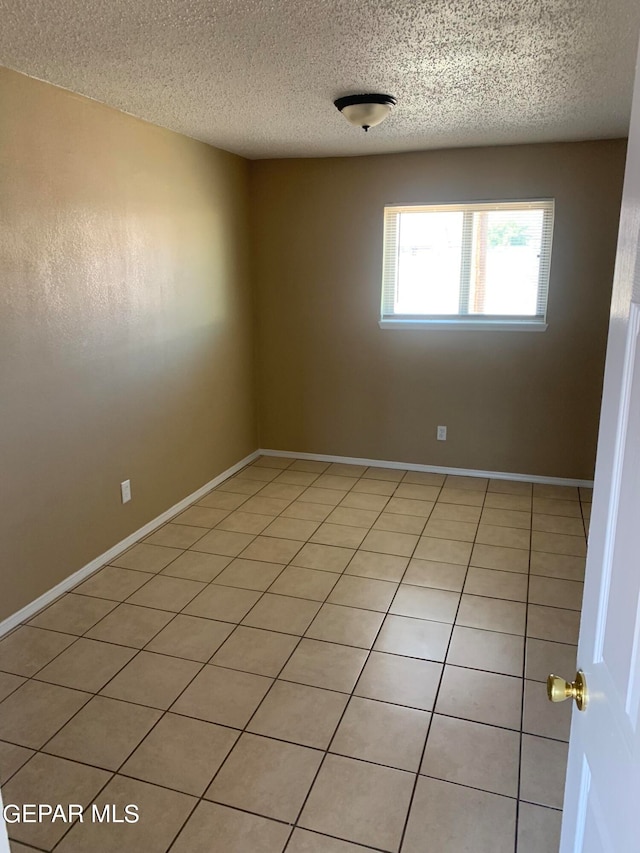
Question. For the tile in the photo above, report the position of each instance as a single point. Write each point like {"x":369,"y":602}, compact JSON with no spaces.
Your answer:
{"x":201,"y":516}
{"x":257,"y":472}
{"x":492,"y":614}
{"x":254,"y":650}
{"x":197,"y":566}
{"x":510,"y":487}
{"x":558,"y":566}
{"x":296,"y":478}
{"x":483,"y":697}
{"x":304,"y":841}
{"x":266,"y":776}
{"x":498,"y":500}
{"x":47,"y":779}
{"x":468,"y":497}
{"x":162,"y":814}
{"x":460,"y":531}
{"x":165,"y":593}
{"x":279,"y":462}
{"x":86,"y":665}
{"x":190,"y":637}
{"x":443,"y":550}
{"x":489,"y":650}
{"x":146,"y":558}
{"x":544,"y":506}
{"x":291,"y":528}
{"x":353,"y":517}
{"x":382,"y":733}
{"x":456,"y":512}
{"x":424,"y":478}
{"x":405,"y":681}
{"x":374,"y":487}
{"x":366,"y":593}
{"x":327,"y":665}
{"x":36,"y":711}
{"x":437,"y":575}
{"x":506,"y":518}
{"x":416,"y":638}
{"x":299,"y":713}
{"x":346,"y":469}
{"x":222,"y":500}
{"x":507,"y":537}
{"x":384,"y":567}
{"x":407,"y":506}
{"x":242,"y":521}
{"x":543,"y":769}
{"x":544,"y":658}
{"x":222,"y":602}
{"x":304,"y":583}
{"x":414,"y":491}
{"x":217,"y":829}
{"x":553,"y":623}
{"x":12,"y":758}
{"x":503,"y":559}
{"x":495,"y":584}
{"x":359,"y":802}
{"x":558,"y":524}
{"x":347,"y":625}
{"x":395,"y":523}
{"x":400,"y":544}
{"x":586,"y":493}
{"x":306,"y":511}
{"x":329,"y":497}
{"x":282,"y":613}
{"x":312,"y":465}
{"x":473,"y":754}
{"x":339,"y":534}
{"x":249,"y":574}
{"x":265,"y":506}
{"x":543,"y":490}
{"x":538,"y":829}
{"x":456,"y":819}
{"x":241,"y":487}
{"x":151,"y":679}
{"x":113,"y":583}
{"x":224,"y":542}
{"x":103,"y":733}
{"x":362,"y":500}
{"x":181,"y":753}
{"x":391,"y":475}
{"x":282,"y":490}
{"x":271,"y":550}
{"x":558,"y":543}
{"x":175,"y":536}
{"x":223,"y":696}
{"x":458,"y":481}
{"x":544,"y":718}
{"x":555,"y":592}
{"x":128,"y":625}
{"x":425,"y":603}
{"x":27,"y":650}
{"x":72,"y":614}
{"x":332,"y":481}
{"x":327,"y":558}
{"x":9,"y":683}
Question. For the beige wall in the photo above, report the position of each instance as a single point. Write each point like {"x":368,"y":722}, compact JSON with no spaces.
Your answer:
{"x":330,"y":381}
{"x":125,"y":339}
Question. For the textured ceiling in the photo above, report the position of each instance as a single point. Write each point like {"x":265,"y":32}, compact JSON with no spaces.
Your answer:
{"x":258,"y":77}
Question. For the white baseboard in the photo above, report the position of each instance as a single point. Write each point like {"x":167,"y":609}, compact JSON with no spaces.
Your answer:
{"x":431,"y":469}
{"x":46,"y":598}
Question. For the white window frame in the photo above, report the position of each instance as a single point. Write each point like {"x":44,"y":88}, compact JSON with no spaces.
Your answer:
{"x":529,"y":323}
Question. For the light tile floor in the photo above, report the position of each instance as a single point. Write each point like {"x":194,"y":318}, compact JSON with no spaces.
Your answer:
{"x":315,"y":657}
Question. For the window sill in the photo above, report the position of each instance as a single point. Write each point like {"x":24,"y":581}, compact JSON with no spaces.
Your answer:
{"x":466,"y":325}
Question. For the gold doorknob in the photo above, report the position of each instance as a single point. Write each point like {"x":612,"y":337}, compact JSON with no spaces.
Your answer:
{"x":558,"y":689}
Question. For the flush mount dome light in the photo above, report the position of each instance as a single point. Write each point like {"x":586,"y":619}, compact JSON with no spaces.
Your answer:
{"x":365,"y":111}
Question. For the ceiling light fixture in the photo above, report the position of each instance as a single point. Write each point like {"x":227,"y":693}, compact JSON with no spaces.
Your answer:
{"x":365,"y":111}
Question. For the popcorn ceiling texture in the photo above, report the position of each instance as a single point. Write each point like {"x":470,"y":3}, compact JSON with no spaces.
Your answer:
{"x":258,"y":77}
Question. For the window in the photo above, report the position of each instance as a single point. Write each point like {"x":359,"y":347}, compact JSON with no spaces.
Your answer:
{"x":477,"y":265}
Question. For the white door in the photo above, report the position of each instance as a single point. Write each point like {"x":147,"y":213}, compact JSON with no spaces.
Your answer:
{"x":602,"y":795}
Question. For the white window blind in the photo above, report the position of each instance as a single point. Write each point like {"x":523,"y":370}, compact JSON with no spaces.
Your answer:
{"x":475,"y":264}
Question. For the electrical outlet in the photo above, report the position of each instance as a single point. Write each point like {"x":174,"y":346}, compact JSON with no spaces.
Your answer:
{"x":442,"y":433}
{"x":125,"y":491}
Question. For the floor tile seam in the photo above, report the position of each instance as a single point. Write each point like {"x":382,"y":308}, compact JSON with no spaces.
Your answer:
{"x":435,"y":703}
